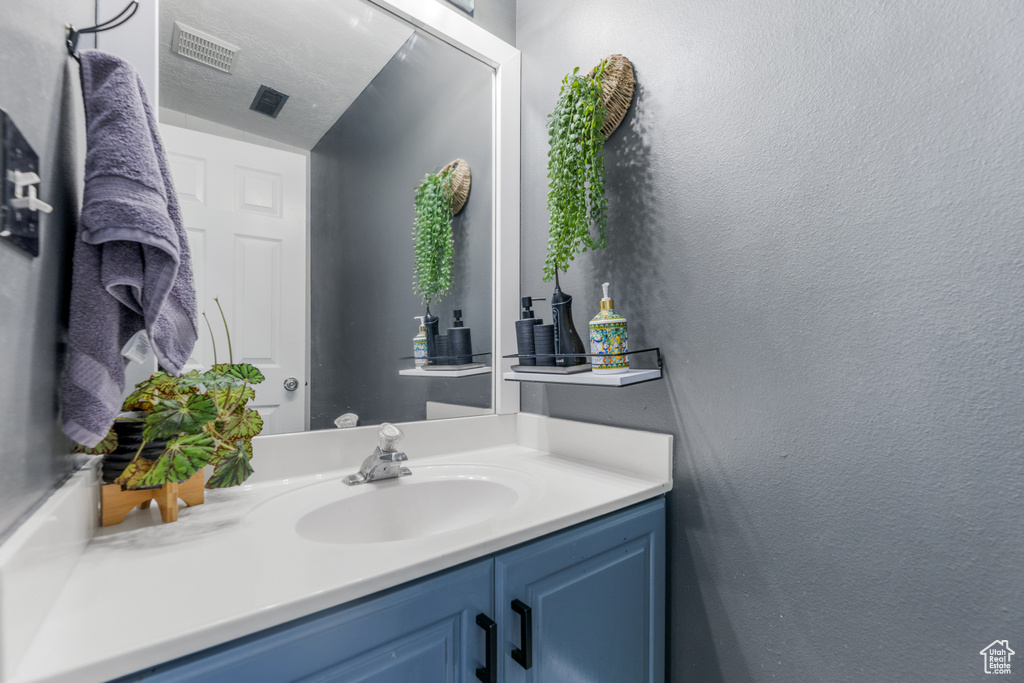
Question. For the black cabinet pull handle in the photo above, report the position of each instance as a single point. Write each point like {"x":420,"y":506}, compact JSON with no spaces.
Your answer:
{"x":489,"y":672}
{"x":524,"y":655}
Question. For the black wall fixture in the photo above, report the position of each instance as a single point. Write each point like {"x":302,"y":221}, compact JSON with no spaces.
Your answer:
{"x":20,"y":205}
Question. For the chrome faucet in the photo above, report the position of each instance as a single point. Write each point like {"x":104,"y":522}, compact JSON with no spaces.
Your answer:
{"x":383,"y":462}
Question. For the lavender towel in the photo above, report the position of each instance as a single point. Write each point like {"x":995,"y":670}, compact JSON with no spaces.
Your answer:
{"x":131,"y":265}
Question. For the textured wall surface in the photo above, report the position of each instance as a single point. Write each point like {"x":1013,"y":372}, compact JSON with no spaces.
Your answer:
{"x":431,"y":104}
{"x":39,"y":90}
{"x":817,"y":211}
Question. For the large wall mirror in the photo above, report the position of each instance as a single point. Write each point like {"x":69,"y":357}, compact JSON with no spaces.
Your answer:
{"x":297,"y":134}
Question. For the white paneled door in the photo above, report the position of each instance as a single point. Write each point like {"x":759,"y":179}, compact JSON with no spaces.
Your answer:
{"x":244,"y":207}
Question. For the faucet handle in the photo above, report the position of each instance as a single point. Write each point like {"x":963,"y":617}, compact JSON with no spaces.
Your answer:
{"x":387,"y":436}
{"x":393,"y":456}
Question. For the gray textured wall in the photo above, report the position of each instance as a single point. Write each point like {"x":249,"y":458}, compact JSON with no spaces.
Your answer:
{"x":817,"y":211}
{"x":429,"y":105}
{"x":41,"y":93}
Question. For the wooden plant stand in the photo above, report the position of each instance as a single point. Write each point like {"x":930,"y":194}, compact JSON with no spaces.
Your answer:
{"x":116,"y":503}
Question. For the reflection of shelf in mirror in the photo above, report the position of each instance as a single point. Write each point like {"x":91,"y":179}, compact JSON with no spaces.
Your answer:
{"x":420,"y":372}
{"x":620,"y":380}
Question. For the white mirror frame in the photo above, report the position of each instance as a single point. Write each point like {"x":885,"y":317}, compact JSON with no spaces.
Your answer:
{"x":457,"y":30}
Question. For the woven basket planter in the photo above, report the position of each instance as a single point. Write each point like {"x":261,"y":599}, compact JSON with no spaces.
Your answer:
{"x":616,"y":91}
{"x":461,"y":180}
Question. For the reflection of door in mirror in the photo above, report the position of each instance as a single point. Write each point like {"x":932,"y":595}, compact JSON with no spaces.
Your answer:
{"x":244,"y":207}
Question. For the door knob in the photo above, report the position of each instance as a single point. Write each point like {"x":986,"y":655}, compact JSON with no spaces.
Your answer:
{"x":291,"y":384}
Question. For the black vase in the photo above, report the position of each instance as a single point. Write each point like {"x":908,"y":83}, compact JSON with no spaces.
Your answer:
{"x":129,"y":438}
{"x":567,"y":340}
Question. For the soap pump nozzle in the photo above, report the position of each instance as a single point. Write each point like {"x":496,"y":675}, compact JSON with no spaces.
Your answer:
{"x":420,"y":318}
{"x":527,"y":303}
{"x":606,"y":303}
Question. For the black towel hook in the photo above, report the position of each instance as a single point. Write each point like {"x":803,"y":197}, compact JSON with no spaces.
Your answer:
{"x":73,"y":33}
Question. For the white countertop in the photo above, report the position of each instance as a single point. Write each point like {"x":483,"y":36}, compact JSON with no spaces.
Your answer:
{"x":144,"y":593}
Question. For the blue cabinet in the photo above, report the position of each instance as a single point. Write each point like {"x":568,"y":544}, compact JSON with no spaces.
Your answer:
{"x":593,"y":599}
{"x":425,"y":632}
{"x":592,"y":596}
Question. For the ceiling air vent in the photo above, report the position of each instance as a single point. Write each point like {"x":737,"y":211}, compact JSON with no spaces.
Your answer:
{"x":268,"y":101}
{"x":203,"y":48}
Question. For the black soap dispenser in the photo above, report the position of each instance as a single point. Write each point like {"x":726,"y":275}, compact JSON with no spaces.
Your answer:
{"x":524,"y":332}
{"x":567,"y":340}
{"x":430,"y":325}
{"x":460,"y":343}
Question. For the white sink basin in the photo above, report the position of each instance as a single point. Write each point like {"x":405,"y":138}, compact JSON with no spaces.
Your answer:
{"x":412,"y":509}
{"x":434,"y":500}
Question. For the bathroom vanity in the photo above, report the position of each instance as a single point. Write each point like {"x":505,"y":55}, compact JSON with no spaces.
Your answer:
{"x":297,"y":575}
{"x":588,"y":600}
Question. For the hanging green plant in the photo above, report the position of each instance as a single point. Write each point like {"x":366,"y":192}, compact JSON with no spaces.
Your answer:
{"x":576,"y":201}
{"x":432,"y":234}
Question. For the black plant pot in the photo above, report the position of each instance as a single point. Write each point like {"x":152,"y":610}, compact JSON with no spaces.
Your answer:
{"x":129,"y":438}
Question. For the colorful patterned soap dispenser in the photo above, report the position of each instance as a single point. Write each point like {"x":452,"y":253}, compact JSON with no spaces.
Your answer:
{"x":608,"y":339}
{"x":419,"y":344}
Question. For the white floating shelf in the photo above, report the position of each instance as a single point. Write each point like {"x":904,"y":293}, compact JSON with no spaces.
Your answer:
{"x":620,"y":380}
{"x":420,"y":372}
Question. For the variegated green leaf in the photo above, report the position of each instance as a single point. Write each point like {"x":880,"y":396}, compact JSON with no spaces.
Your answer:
{"x":243,"y":425}
{"x":169,"y":418}
{"x":107,"y":445}
{"x":133,"y":474}
{"x":210,"y":381}
{"x":229,"y":399}
{"x":193,"y":378}
{"x":233,"y":468}
{"x":227,"y":448}
{"x":158,"y":379}
{"x":159,"y":385}
{"x":246,"y":372}
{"x":183,"y":457}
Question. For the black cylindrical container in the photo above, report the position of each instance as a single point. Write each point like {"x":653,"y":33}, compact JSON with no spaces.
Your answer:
{"x":524,"y":340}
{"x":567,"y":340}
{"x":430,"y":325}
{"x":544,"y":344}
{"x":129,"y":438}
{"x":460,"y":342}
{"x":443,"y":350}
{"x":524,"y":331}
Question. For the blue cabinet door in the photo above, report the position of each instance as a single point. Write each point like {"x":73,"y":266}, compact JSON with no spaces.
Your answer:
{"x":425,"y":632}
{"x":596,"y":596}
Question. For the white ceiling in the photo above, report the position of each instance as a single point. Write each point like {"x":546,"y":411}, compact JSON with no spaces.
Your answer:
{"x":321,"y":53}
